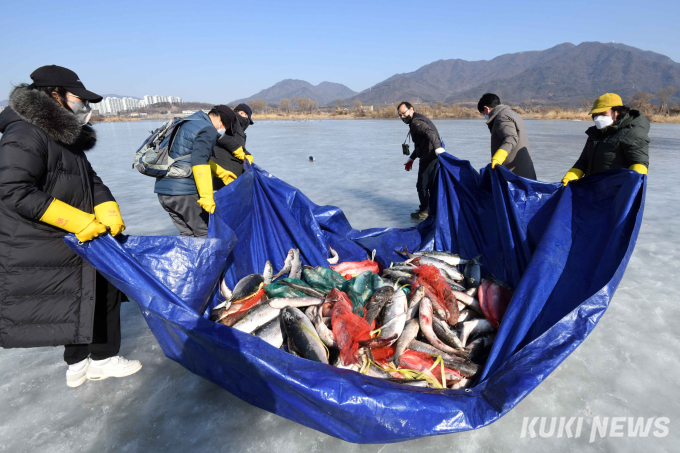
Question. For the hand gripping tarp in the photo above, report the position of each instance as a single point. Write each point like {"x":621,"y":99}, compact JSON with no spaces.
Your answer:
{"x":564,"y":250}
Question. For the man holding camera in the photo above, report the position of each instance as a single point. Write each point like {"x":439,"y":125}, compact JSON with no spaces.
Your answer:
{"x":428,"y":146}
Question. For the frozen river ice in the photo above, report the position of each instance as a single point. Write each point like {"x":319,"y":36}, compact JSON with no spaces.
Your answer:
{"x":628,"y":366}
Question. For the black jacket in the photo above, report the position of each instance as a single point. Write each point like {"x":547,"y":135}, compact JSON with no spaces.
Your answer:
{"x":618,"y":146}
{"x":46,"y":291}
{"x":425,"y":138}
{"x":225,"y":146}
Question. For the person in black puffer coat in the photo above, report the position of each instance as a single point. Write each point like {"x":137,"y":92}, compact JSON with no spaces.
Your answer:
{"x":226,"y":159}
{"x":48,"y":295}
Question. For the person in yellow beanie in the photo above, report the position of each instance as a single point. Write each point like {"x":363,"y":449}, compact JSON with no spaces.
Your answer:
{"x":619,"y":139}
{"x":48,"y":295}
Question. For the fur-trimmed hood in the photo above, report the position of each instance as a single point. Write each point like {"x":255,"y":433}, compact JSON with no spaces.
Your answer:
{"x":41,"y":110}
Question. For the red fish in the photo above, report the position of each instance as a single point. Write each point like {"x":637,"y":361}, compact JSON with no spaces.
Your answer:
{"x":494,"y":300}
{"x":354,"y":268}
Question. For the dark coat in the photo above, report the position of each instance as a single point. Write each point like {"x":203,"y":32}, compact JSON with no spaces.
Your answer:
{"x":425,"y":138}
{"x":46,"y":291}
{"x":618,"y":146}
{"x":509,"y":133}
{"x":229,"y":142}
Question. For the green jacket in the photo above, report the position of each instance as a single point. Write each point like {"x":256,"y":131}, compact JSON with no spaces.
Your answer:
{"x":620,"y":145}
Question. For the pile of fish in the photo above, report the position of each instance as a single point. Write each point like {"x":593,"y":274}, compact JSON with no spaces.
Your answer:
{"x":429,"y":321}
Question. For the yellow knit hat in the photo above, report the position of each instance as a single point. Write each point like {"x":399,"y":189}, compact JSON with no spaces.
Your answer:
{"x":605,"y":102}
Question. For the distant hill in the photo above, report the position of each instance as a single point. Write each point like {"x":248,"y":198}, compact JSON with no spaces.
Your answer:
{"x":324,"y":93}
{"x":564,"y":74}
{"x":4,"y":103}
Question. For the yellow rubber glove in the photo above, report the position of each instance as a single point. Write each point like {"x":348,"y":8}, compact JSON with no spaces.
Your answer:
{"x":250,"y":158}
{"x":225,"y":175}
{"x":499,"y":157}
{"x":572,"y":175}
{"x":240,"y":154}
{"x":108,"y":213}
{"x":203,"y":178}
{"x":639,"y":168}
{"x":85,"y":226}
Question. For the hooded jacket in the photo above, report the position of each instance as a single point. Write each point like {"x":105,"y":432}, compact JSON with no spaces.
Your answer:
{"x":618,"y":146}
{"x":46,"y":291}
{"x":223,"y":152}
{"x":509,"y":133}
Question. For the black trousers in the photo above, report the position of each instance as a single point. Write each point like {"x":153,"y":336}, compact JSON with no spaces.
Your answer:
{"x":426,"y":173}
{"x":106,"y":329}
{"x":187,"y":215}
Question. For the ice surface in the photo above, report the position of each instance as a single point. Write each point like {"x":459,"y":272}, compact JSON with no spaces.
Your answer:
{"x":628,"y":367}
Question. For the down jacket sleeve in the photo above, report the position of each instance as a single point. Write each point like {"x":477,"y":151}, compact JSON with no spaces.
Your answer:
{"x":507,"y":131}
{"x":22,"y":168}
{"x":423,"y":129}
{"x":102,"y":194}
{"x":636,"y":150}
{"x":203,"y":145}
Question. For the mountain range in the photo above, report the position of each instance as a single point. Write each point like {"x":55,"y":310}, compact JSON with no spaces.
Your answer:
{"x":324,"y":93}
{"x":562,"y":75}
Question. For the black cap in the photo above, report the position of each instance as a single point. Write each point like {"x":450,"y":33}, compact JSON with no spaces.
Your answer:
{"x":57,"y":76}
{"x":247,"y":110}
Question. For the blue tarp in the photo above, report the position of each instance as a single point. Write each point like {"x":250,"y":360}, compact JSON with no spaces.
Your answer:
{"x":564,"y":250}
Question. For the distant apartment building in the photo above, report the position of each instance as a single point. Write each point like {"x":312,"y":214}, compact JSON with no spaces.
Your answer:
{"x":113,"y":105}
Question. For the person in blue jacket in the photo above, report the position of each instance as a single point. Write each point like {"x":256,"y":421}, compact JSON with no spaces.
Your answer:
{"x":189,"y":201}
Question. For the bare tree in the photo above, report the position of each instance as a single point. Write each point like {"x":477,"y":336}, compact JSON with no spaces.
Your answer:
{"x":259,"y":106}
{"x":664,"y":95}
{"x":339,"y":103}
{"x":284,"y":106}
{"x":585,"y":104}
{"x":356,"y":104}
{"x":640,"y":101}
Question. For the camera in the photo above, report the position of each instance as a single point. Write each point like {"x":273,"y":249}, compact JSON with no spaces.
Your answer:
{"x":404,"y":149}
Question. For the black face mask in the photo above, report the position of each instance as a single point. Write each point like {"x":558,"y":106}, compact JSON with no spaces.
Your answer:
{"x":407,"y":119}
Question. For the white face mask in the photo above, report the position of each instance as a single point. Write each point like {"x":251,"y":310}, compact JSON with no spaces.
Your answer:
{"x":603,"y":121}
{"x":81,"y":110}
{"x":221,"y":131}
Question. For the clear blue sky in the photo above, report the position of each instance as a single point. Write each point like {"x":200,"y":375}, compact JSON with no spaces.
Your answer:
{"x":220,"y":51}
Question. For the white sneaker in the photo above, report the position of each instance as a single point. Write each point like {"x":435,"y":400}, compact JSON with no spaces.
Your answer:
{"x":112,"y":367}
{"x":76,"y":373}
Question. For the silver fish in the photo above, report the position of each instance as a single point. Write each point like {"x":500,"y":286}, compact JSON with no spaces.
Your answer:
{"x":286,"y":265}
{"x":414,"y":303}
{"x":441,"y":329}
{"x":225,"y":291}
{"x":466,"y":315}
{"x":409,"y":333}
{"x":296,"y":265}
{"x":380,"y":297}
{"x":325,"y":333}
{"x":302,"y":335}
{"x":282,"y":302}
{"x":271,"y":333}
{"x":460,"y":362}
{"x":448,"y":270}
{"x":449,"y":258}
{"x":425,"y":320}
{"x":256,"y":317}
{"x":396,"y":306}
{"x":389,"y":333}
{"x":334,"y":256}
{"x":469,"y":301}
{"x":268,"y":272}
